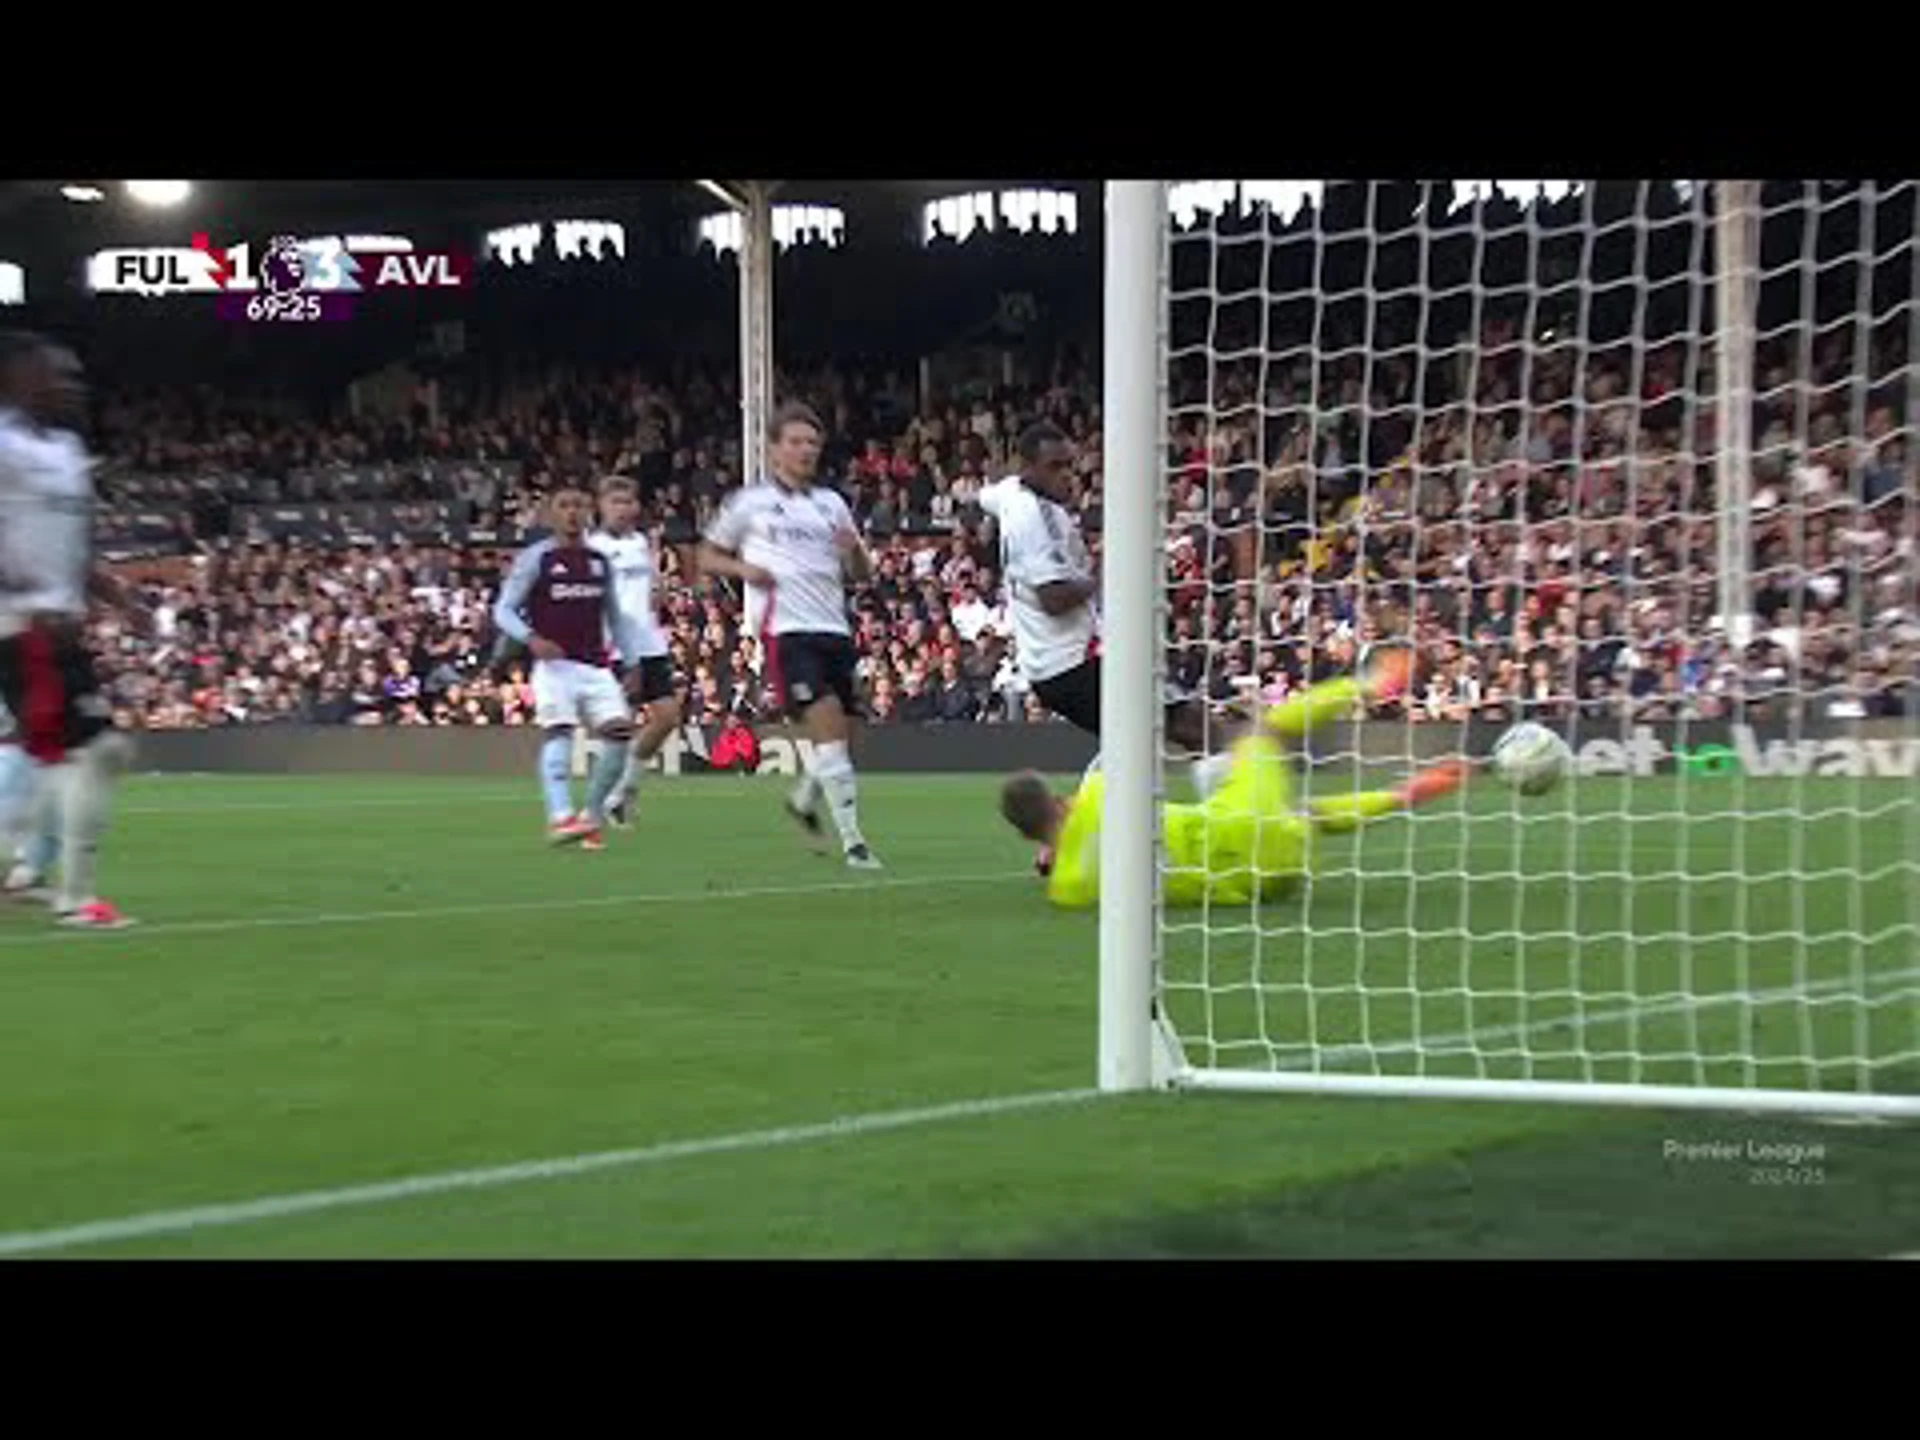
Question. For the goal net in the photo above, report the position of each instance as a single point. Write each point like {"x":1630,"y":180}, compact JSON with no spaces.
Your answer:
{"x":1635,"y":460}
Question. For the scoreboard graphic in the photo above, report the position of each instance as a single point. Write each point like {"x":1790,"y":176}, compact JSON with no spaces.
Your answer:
{"x":284,"y":281}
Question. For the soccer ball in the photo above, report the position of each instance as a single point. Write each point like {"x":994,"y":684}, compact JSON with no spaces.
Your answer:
{"x":1531,"y":758}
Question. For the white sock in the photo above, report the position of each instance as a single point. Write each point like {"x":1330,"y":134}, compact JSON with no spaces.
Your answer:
{"x":34,"y":841}
{"x":41,"y":847}
{"x":630,"y":777}
{"x":833,"y":769}
{"x":603,"y":779}
{"x":18,"y":786}
{"x":806,"y":794}
{"x":81,"y":787}
{"x":1209,"y":770}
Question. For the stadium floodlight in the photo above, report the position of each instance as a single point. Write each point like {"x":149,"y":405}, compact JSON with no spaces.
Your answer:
{"x":588,"y":239}
{"x":1599,"y":465}
{"x":954,"y":215}
{"x":159,"y":193}
{"x":513,"y":243}
{"x":83,"y":194}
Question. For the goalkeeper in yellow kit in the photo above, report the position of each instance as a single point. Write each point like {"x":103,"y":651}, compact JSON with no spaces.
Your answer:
{"x":1247,"y":837}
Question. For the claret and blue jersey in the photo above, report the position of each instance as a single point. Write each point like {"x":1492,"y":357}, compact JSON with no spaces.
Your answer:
{"x":563,"y":593}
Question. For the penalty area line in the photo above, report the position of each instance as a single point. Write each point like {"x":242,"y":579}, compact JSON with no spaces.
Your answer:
{"x":278,"y":1207}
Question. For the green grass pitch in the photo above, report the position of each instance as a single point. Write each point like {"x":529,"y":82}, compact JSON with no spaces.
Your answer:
{"x":345,"y":981}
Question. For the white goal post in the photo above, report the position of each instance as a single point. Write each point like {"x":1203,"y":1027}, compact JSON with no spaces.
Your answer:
{"x":1634,"y":459}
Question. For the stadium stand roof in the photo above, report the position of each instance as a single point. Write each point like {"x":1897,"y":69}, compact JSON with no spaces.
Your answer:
{"x":34,"y":210}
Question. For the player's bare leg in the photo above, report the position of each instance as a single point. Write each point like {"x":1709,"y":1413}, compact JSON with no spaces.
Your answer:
{"x":831,"y":730}
{"x":660,"y":718}
{"x":611,"y":747}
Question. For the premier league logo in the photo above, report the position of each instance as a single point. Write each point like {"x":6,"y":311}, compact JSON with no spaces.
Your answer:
{"x":282,"y":270}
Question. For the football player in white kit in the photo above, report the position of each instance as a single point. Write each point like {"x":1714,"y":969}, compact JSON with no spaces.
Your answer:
{"x":47,"y":678}
{"x":794,"y":545}
{"x":651,"y":682}
{"x":1052,"y":592}
{"x":1053,"y":599}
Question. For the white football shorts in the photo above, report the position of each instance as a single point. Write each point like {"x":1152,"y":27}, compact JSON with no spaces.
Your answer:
{"x":568,"y":692}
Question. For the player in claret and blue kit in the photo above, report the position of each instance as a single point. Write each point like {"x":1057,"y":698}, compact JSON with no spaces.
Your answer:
{"x":560,"y":601}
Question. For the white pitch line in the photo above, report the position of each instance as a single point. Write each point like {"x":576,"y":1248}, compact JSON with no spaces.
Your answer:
{"x":277,"y":1207}
{"x":374,"y":802}
{"x":273,"y":1207}
{"x":453,"y":798}
{"x":502,"y":907}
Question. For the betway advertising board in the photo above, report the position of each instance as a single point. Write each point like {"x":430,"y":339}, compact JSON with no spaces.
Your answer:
{"x":1862,"y":749}
{"x":1884,"y":750}
{"x":1753,"y":753}
{"x":1877,"y":750}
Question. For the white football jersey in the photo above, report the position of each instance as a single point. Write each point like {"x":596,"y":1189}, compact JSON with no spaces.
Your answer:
{"x":46,"y":521}
{"x":789,"y":534}
{"x":1040,"y":542}
{"x":631,"y":558}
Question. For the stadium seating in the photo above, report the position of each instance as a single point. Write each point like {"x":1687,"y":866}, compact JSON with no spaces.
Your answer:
{"x":340,"y":571}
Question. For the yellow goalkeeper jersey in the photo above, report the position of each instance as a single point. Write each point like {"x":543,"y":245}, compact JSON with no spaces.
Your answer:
{"x":1242,"y":839}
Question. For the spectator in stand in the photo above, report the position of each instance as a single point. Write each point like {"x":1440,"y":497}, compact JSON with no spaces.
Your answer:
{"x":1549,"y":545}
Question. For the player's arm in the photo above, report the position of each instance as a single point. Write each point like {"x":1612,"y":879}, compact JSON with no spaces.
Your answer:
{"x":715,"y":561}
{"x":719,"y":559}
{"x":509,"y":605}
{"x":719,"y":547}
{"x":856,"y":561}
{"x":15,"y":581}
{"x":1039,"y":562}
{"x":1059,"y":597}
{"x":988,"y":502}
{"x":1074,"y":879}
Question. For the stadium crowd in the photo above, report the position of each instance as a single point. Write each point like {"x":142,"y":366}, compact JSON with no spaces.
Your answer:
{"x":1538,"y":515}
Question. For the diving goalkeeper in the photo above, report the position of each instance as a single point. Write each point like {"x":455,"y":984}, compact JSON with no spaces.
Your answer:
{"x":1247,"y":837}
